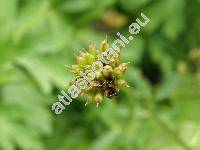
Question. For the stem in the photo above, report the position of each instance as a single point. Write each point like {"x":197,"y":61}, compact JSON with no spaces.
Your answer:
{"x":170,"y":131}
{"x":165,"y":127}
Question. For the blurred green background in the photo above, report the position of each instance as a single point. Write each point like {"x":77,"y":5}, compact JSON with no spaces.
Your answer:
{"x":161,"y":109}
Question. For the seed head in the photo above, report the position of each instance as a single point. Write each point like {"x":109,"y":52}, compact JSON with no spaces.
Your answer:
{"x":106,"y":82}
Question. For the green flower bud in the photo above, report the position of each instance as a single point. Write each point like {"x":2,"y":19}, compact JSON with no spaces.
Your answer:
{"x":122,"y":83}
{"x":81,"y":60}
{"x":120,"y":70}
{"x":89,"y":100}
{"x":98,"y":98}
{"x":92,"y":49}
{"x":104,"y":45}
{"x":90,"y":58}
{"x":98,"y":75}
{"x":74,"y":69}
{"x":107,"y":71}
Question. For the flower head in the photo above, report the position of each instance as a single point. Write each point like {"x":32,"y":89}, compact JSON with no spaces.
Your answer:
{"x":107,"y":77}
